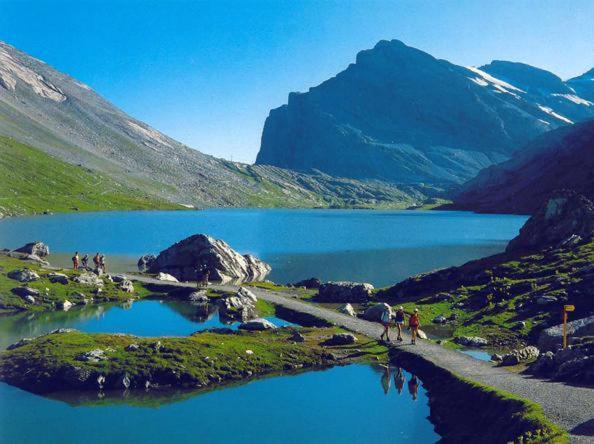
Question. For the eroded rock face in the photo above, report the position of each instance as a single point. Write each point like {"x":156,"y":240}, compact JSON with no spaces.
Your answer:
{"x":564,"y":216}
{"x":36,"y":248}
{"x":344,"y":292}
{"x":190,"y":258}
{"x":145,"y":262}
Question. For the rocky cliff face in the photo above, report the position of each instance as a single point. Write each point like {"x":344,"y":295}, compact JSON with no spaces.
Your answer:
{"x":398,"y":114}
{"x":560,"y":159}
{"x":567,"y":217}
{"x":584,"y":85}
{"x":189,"y":259}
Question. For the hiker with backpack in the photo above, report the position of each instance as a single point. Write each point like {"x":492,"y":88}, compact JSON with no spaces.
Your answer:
{"x":414,"y":323}
{"x":75,"y":261}
{"x":85,"y":261}
{"x":386,"y":319}
{"x":399,"y":318}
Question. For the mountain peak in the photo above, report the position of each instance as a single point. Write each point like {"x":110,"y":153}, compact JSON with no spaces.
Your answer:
{"x":527,"y":77}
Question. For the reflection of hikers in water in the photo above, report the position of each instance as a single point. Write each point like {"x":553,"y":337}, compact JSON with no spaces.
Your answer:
{"x":75,"y":261}
{"x":386,"y":379}
{"x":85,"y":261}
{"x":399,"y":380}
{"x":413,"y":387}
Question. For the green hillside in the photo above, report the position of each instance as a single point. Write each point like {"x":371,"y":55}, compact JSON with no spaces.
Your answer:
{"x":33,"y":182}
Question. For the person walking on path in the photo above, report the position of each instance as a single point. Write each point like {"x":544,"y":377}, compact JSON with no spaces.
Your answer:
{"x":414,"y":323}
{"x":75,"y":261}
{"x":85,"y":261}
{"x":386,"y":318}
{"x":96,"y":261}
{"x":399,"y":318}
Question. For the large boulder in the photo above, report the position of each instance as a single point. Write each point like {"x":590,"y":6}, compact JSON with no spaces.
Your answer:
{"x":257,"y":325}
{"x":145,"y":262}
{"x":166,"y":277}
{"x":375,"y":312}
{"x":90,"y":279}
{"x":528,"y":353}
{"x":552,"y":338}
{"x":564,"y":216}
{"x":23,"y":292}
{"x":23,"y":275}
{"x":344,"y":292}
{"x":347,"y":309}
{"x":190,"y":258}
{"x":58,"y":278}
{"x":36,"y":248}
{"x":308,"y":283}
{"x":471,"y":341}
{"x":341,"y":339}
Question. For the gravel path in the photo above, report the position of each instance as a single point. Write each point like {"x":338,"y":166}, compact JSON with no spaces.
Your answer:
{"x":570,"y":407}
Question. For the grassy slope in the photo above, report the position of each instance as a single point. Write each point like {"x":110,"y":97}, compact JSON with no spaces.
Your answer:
{"x":33,"y":182}
{"x":203,"y":359}
{"x":498,"y":293}
{"x":55,"y":292}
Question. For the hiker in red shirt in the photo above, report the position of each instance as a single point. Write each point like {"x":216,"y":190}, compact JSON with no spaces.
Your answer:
{"x":414,"y":323}
{"x":75,"y":261}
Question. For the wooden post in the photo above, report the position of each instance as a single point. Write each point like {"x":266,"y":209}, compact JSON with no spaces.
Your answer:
{"x":564,"y":329}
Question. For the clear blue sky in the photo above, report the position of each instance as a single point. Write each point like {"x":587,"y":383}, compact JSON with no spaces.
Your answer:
{"x":207,"y":73}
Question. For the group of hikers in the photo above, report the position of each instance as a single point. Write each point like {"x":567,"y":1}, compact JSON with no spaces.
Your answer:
{"x":399,"y":317}
{"x":98,"y":261}
{"x":399,"y":380}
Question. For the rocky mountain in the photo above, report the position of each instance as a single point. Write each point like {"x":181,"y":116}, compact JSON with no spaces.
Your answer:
{"x":50,"y":111}
{"x":400,"y":115}
{"x":560,"y":159}
{"x":584,"y":85}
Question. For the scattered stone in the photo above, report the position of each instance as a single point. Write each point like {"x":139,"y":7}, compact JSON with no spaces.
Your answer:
{"x":117,"y":277}
{"x":166,"y":277}
{"x":347,"y":309}
{"x":190,"y":258}
{"x":93,"y":356}
{"x":156,"y":346}
{"x":517,"y":356}
{"x":471,"y":341}
{"x":19,"y":343}
{"x":249,"y":352}
{"x":375,"y":312}
{"x":64,"y":305}
{"x":62,"y":331}
{"x":30,"y":299}
{"x":198,"y":297}
{"x":422,"y":335}
{"x":308,"y":283}
{"x":87,"y":278}
{"x":36,"y":248}
{"x":23,"y":275}
{"x":341,"y":339}
{"x":145,"y":262}
{"x":127,"y":286}
{"x":297,"y":337}
{"x":440,"y":319}
{"x":344,"y":292}
{"x":132,"y":347}
{"x":257,"y":325}
{"x":25,"y":291}
{"x":441,"y":297}
{"x":546,"y":300}
{"x":496,"y":357}
{"x":57,"y":278}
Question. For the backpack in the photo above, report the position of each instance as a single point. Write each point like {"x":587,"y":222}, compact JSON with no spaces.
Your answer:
{"x":385,"y":316}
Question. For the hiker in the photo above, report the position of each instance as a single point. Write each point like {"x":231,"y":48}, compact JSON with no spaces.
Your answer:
{"x":75,"y":261}
{"x":414,"y":324}
{"x":413,"y":387}
{"x":385,"y":319}
{"x":96,"y":261}
{"x":85,"y":261}
{"x":399,"y":318}
{"x":205,"y":277}
{"x":102,"y":263}
{"x":399,"y":380}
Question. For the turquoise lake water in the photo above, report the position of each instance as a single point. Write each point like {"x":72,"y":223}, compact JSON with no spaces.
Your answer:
{"x":353,"y":404}
{"x":381,"y":247}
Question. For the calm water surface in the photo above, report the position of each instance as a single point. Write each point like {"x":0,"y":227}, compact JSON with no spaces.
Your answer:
{"x":381,"y":247}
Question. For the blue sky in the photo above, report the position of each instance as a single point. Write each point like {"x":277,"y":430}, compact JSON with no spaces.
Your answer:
{"x":207,"y":73}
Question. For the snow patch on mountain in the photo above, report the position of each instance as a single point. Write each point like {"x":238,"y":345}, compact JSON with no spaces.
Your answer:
{"x":575,"y":99}
{"x":498,"y":84}
{"x":550,"y":112}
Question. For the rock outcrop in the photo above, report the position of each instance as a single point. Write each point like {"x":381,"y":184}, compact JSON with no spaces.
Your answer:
{"x":521,"y":355}
{"x":240,"y":306}
{"x":344,"y":292}
{"x":257,"y":325}
{"x":145,"y":262}
{"x":551,"y":338}
{"x":36,"y":248}
{"x":23,"y":275}
{"x":188,"y":259}
{"x":565,"y":214}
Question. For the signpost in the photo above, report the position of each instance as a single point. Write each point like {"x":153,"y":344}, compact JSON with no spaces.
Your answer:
{"x":566,"y":309}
